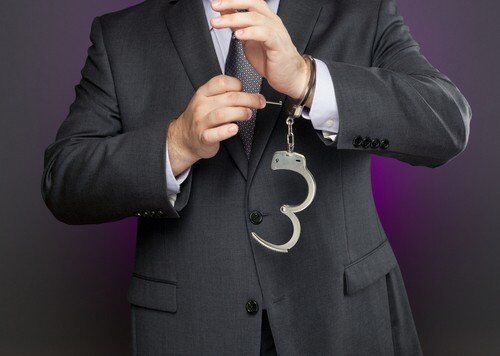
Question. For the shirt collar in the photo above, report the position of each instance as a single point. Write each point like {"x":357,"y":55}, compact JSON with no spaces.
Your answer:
{"x":209,"y":12}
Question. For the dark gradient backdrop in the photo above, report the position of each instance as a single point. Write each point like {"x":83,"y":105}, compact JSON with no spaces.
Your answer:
{"x":62,"y":288}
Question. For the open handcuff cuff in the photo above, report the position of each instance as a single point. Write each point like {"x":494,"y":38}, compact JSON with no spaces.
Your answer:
{"x":293,"y":161}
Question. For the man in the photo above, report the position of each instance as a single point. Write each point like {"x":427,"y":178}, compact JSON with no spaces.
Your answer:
{"x":156,"y":131}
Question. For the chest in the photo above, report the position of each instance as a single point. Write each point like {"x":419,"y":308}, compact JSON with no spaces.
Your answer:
{"x":152,"y":83}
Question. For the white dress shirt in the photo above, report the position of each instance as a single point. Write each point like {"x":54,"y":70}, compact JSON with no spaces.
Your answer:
{"x":323,"y":114}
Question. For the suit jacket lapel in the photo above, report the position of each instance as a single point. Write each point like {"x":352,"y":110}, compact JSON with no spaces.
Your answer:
{"x":188,"y":28}
{"x":299,"y":17}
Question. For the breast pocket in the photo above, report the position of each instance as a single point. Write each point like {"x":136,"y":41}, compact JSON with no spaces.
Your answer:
{"x":369,"y":268}
{"x":152,"y":293}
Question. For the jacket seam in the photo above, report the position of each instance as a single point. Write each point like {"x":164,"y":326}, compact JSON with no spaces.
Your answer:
{"x":376,"y":31}
{"x":389,"y":307}
{"x":109,"y":62}
{"x":134,"y":333}
{"x":382,"y":240}
{"x":343,"y":208}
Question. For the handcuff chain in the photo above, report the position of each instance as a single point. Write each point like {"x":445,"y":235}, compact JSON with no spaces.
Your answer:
{"x":294,"y":113}
{"x":290,"y":139}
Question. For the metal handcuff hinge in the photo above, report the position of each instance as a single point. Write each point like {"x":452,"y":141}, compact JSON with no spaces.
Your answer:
{"x":293,"y":161}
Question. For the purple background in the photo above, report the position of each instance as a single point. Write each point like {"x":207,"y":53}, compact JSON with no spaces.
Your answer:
{"x":63,"y":288}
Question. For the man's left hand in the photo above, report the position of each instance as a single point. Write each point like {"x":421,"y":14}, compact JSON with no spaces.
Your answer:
{"x":267,"y":44}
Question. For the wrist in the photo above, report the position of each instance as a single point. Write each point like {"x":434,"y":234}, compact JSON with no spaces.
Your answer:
{"x":180,"y":154}
{"x":304,"y":72}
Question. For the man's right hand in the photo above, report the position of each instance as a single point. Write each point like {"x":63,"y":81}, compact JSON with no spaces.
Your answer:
{"x":208,"y":120}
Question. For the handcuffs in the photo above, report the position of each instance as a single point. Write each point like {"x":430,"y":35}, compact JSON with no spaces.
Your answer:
{"x":293,"y":161}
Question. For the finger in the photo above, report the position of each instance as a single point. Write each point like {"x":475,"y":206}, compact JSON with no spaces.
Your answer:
{"x":220,"y":133}
{"x":263,"y":34}
{"x":226,"y":115}
{"x":239,"y":20}
{"x":239,"y":99}
{"x":259,"y":6}
{"x":219,"y":85}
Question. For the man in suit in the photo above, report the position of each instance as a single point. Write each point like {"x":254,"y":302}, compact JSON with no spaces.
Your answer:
{"x":157,"y":132}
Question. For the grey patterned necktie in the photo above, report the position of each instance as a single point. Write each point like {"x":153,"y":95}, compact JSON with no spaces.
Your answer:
{"x":238,"y":66}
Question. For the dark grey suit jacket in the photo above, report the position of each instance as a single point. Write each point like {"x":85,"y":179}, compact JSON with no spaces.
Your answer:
{"x":339,"y":291}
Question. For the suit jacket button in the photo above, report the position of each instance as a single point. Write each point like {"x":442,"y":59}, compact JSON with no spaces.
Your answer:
{"x":366,"y":142}
{"x":358,"y":140}
{"x":375,"y":144}
{"x":252,"y":307}
{"x":384,"y":144}
{"x":255,"y":217}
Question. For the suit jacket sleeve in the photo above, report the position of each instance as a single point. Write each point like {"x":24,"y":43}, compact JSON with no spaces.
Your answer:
{"x":94,"y":171}
{"x":401,"y":98}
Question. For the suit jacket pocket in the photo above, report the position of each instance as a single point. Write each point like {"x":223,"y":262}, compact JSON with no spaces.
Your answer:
{"x":153,"y":293}
{"x":369,"y":268}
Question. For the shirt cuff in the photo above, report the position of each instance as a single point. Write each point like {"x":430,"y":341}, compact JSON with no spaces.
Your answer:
{"x":173,"y":183}
{"x":324,"y":112}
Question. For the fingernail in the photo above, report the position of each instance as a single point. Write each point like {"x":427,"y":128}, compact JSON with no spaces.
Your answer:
{"x":239,"y":33}
{"x":233,"y":129}
{"x":216,"y":19}
{"x":215,"y":2}
{"x":262,"y":101}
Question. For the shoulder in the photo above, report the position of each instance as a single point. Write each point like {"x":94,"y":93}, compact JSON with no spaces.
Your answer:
{"x":360,"y":6}
{"x":359,"y":13}
{"x":144,"y":17}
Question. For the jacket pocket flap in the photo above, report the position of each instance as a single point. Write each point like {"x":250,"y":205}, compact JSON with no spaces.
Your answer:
{"x":152,"y":293}
{"x":369,"y":268}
